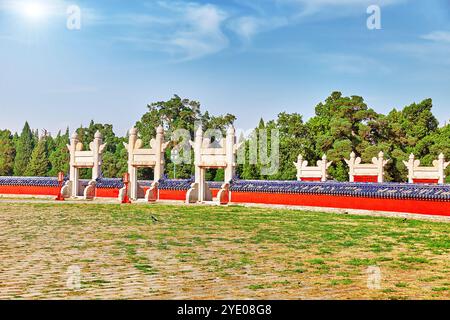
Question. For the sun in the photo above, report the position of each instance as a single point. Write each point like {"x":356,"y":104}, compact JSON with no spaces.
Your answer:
{"x":33,"y":10}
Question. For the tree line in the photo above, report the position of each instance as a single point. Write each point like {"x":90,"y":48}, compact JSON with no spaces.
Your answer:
{"x":340,"y":125}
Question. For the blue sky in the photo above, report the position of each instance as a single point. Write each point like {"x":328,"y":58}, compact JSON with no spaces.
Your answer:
{"x":252,"y":58}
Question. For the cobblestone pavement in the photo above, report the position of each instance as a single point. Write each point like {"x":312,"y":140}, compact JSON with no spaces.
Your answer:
{"x":105,"y":251}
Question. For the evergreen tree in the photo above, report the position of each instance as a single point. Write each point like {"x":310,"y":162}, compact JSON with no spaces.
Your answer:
{"x":39,"y":164}
{"x":340,"y":125}
{"x":7,"y":153}
{"x":24,"y":148}
{"x":178,"y":113}
{"x":59,"y":155}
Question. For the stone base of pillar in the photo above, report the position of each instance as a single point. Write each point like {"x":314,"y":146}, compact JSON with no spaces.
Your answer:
{"x":224,"y":194}
{"x":66,"y":190}
{"x":192,"y":194}
{"x":89,"y":191}
{"x":122,"y":192}
{"x":152,"y":194}
{"x":207,"y":196}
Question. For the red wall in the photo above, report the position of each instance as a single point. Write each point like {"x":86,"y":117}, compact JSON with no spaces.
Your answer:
{"x":179,"y":194}
{"x":30,"y":190}
{"x":366,"y":179}
{"x":172,"y":195}
{"x":312,"y":179}
{"x":426,"y":181}
{"x":342,"y":202}
{"x":107,"y":192}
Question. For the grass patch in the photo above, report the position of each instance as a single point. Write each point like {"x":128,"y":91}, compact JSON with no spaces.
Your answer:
{"x":414,"y":260}
{"x":401,"y":285}
{"x":228,"y":249}
{"x":440,"y":289}
{"x":360,"y":262}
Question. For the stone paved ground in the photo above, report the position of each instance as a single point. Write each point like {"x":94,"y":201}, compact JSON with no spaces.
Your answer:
{"x":107,"y":251}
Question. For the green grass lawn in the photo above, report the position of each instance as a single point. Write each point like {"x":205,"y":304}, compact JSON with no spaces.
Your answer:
{"x":217,"y":252}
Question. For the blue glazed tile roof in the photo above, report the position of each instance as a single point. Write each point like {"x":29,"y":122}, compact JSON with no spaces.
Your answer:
{"x":110,"y":183}
{"x":164,"y":184}
{"x":29,"y":181}
{"x":372,"y":190}
{"x":175,"y":184}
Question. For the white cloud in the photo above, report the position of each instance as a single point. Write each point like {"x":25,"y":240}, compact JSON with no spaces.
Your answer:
{"x":18,"y":7}
{"x":433,"y":52}
{"x":203,"y":34}
{"x":186,"y":31}
{"x":330,"y":9}
{"x":352,"y":64}
{"x":249,"y":26}
{"x":341,"y":3}
{"x":438,"y":36}
{"x":273,"y":14}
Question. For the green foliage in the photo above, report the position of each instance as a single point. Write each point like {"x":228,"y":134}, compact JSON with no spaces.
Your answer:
{"x":39,"y":163}
{"x":7,"y":153}
{"x":345,"y":124}
{"x":59,"y":154}
{"x":340,"y":125}
{"x":115,"y":163}
{"x":178,"y":113}
{"x":24,"y":148}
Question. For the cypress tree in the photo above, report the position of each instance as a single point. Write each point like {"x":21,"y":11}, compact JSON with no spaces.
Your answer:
{"x":7,"y":153}
{"x":59,"y":156}
{"x":24,"y":149}
{"x":39,"y":164}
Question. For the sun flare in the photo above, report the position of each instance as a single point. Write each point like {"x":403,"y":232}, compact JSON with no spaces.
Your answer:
{"x":34,"y":10}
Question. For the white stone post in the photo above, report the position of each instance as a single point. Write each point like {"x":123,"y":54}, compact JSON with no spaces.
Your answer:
{"x":197,"y":152}
{"x":324,"y":165}
{"x":299,"y":166}
{"x":73,"y":174}
{"x":201,"y":185}
{"x":159,"y":154}
{"x":351,"y":164}
{"x":381,"y":163}
{"x":442,"y":166}
{"x":132,"y":171}
{"x":410,"y":165}
{"x":96,"y":148}
{"x":199,"y":172}
{"x":230,"y":154}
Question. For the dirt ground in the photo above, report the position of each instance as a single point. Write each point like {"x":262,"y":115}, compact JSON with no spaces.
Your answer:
{"x":108,"y":251}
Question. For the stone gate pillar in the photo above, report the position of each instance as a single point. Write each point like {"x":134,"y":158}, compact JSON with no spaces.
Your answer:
{"x":96,"y":148}
{"x":73,"y":173}
{"x":380,"y":164}
{"x":317,"y":173}
{"x":230,"y":170}
{"x":410,"y":165}
{"x":360,"y":171}
{"x":209,"y":156}
{"x":421,"y":174}
{"x":159,"y":154}
{"x":80,"y":158}
{"x":198,"y":153}
{"x":139,"y":157}
{"x":132,"y":170}
{"x":351,"y":164}
{"x":442,"y":165}
{"x":324,"y":165}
